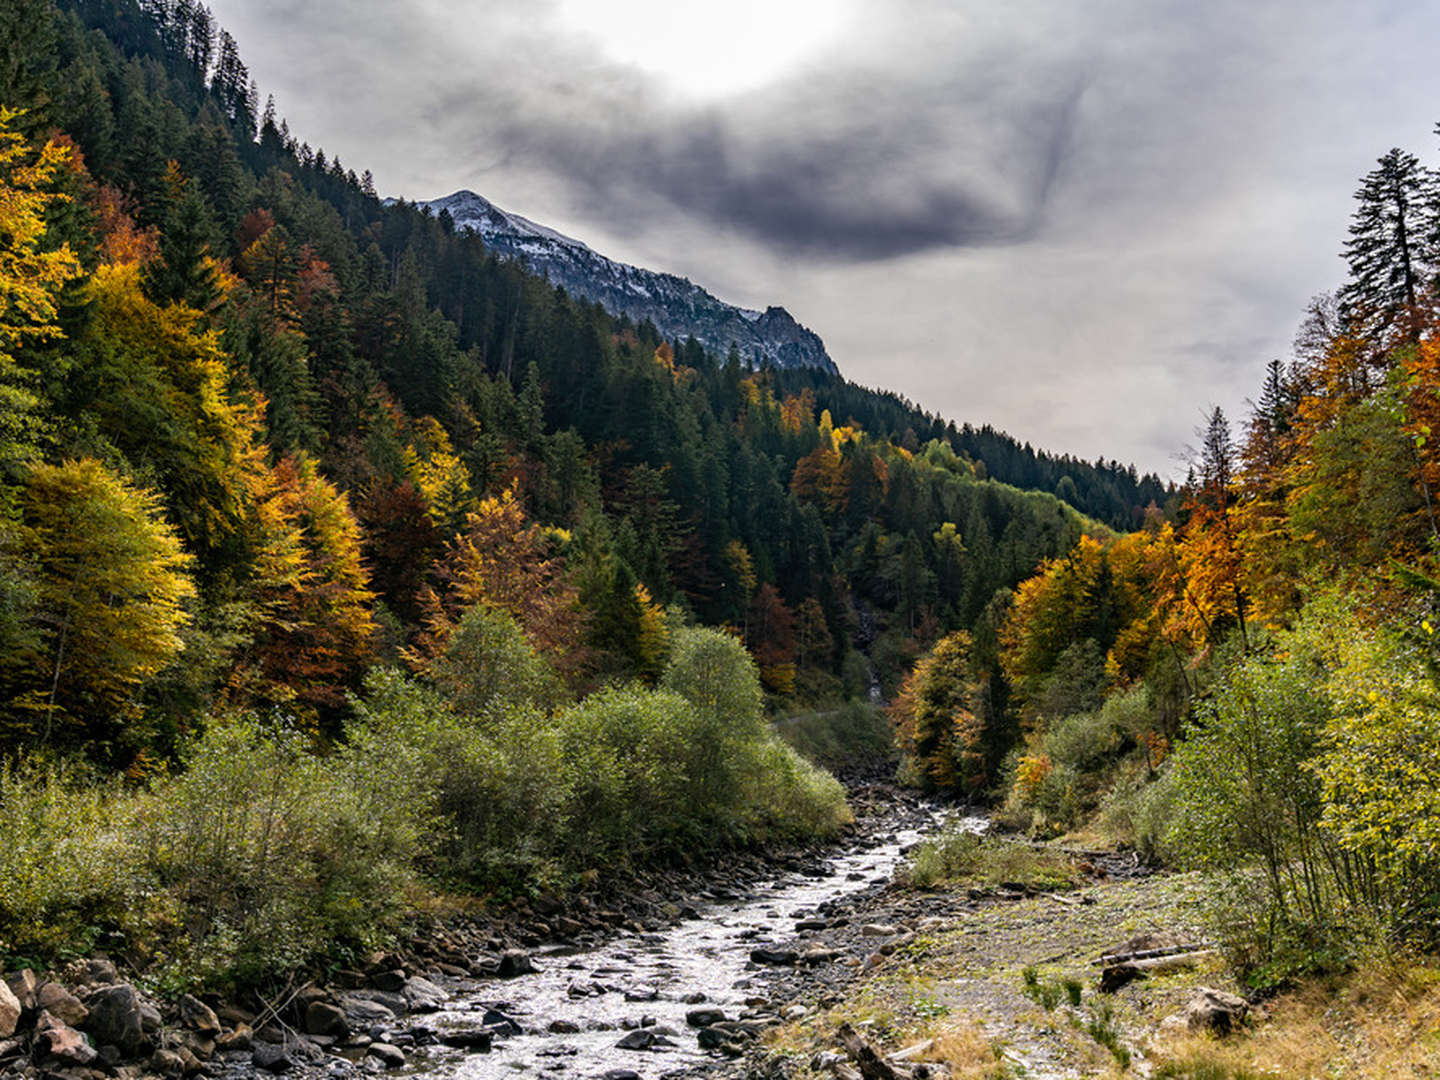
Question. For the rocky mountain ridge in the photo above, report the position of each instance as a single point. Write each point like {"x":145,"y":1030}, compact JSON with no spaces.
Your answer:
{"x":677,"y":306}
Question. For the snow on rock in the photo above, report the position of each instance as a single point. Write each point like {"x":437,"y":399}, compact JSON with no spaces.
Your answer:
{"x":678,"y":307}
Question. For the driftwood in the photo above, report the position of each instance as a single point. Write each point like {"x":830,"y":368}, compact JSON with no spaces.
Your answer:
{"x":872,"y":1065}
{"x":1111,"y":959}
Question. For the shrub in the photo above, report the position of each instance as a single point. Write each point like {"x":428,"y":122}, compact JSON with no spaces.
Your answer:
{"x":277,"y":855}
{"x":67,"y":859}
{"x":958,"y":854}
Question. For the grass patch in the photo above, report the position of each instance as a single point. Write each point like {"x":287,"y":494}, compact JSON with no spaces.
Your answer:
{"x":1382,"y":1022}
{"x":962,"y":857}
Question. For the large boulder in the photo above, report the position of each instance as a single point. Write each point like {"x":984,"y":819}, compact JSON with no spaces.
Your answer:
{"x":10,"y":1010}
{"x":322,"y":1018}
{"x":422,"y":995}
{"x":116,"y":1018}
{"x":195,"y":1016}
{"x":60,"y":1003}
{"x":23,"y":985}
{"x":1215,"y":1010}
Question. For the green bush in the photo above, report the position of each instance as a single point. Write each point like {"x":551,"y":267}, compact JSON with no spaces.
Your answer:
{"x":277,"y":854}
{"x":957,"y":854}
{"x":68,"y":861}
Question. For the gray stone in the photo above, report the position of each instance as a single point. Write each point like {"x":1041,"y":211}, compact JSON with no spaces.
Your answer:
{"x":363,"y":1013}
{"x":63,"y":1045}
{"x":636,"y":1040}
{"x":422,"y":995}
{"x":150,"y":1019}
{"x":23,"y":985}
{"x":774,"y":957}
{"x":393,"y":981}
{"x":703,"y":1018}
{"x":1215,"y":1010}
{"x":10,"y":1010}
{"x":272,"y":1057}
{"x":564,"y":1027}
{"x":115,"y":1018}
{"x":472,"y":1039}
{"x":392,"y":1057}
{"x":497,"y":1023}
{"x":61,"y":1004}
{"x":515,"y":962}
{"x":322,"y":1018}
{"x":195,"y":1015}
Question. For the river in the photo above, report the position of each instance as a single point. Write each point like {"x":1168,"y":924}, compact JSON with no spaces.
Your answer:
{"x":567,"y":1018}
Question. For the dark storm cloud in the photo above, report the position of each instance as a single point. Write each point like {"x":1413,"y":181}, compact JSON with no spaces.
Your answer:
{"x":870,"y":173}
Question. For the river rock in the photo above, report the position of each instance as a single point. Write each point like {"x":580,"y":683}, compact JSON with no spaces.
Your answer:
{"x":393,"y":981}
{"x":879,"y":930}
{"x":563,"y":1027}
{"x":115,"y":1019}
{"x":774,"y":957}
{"x":60,"y":1044}
{"x":196,"y":1015}
{"x":640,"y":1039}
{"x":272,"y":1057}
{"x":422,"y":995}
{"x":498,"y":1023}
{"x":703,"y":1018}
{"x":60,"y":1003}
{"x":167,"y":1063}
{"x":23,"y":985}
{"x":392,"y":1057}
{"x":473,"y":1039}
{"x":100,"y":972}
{"x":361,"y":1012}
{"x":322,"y":1018}
{"x":515,"y":962}
{"x":620,"y":1074}
{"x":10,"y":1010}
{"x":241,"y":1039}
{"x":1215,"y":1010}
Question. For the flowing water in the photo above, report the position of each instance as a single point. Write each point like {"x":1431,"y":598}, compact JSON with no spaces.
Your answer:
{"x":651,"y":980}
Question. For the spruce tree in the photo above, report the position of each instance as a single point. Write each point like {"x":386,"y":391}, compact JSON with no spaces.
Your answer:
{"x":1391,"y":250}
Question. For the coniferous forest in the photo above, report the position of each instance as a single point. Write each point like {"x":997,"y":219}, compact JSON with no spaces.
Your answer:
{"x":345,"y":567}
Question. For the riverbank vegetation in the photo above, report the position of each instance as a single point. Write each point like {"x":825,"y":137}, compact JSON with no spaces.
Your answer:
{"x":256,"y":854}
{"x":1250,"y":684}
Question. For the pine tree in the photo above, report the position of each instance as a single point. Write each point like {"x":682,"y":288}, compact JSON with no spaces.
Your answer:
{"x":1391,"y":251}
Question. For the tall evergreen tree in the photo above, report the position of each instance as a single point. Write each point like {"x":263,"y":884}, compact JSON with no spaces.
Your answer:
{"x":1391,"y":251}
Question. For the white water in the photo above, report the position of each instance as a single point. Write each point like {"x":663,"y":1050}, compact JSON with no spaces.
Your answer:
{"x":709,"y":955}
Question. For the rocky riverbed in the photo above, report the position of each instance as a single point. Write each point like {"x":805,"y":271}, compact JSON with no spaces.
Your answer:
{"x":663,"y":974}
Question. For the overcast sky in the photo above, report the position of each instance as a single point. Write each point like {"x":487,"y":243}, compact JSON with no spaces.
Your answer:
{"x":1083,"y":222}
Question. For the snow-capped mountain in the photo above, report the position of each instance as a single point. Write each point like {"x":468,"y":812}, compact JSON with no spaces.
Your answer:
{"x":678,"y":307}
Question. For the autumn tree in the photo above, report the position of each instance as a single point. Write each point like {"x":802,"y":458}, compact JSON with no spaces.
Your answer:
{"x":941,"y":737}
{"x":506,"y":561}
{"x":112,"y":590}
{"x":32,"y":274}
{"x":316,"y":630}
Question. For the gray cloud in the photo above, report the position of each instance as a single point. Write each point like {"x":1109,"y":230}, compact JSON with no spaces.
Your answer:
{"x":1084,"y":222}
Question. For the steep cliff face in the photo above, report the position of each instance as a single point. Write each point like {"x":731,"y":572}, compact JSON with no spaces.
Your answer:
{"x":677,"y":306}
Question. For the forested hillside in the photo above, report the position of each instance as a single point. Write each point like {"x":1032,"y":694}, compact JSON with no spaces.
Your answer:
{"x":345,"y":563}
{"x":328,"y":426}
{"x":1250,"y":685}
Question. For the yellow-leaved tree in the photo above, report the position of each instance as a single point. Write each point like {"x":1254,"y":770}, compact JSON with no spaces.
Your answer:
{"x":30,"y":279}
{"x":111,"y":592}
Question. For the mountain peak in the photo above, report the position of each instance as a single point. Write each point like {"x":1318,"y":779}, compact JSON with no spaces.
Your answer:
{"x":678,"y":307}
